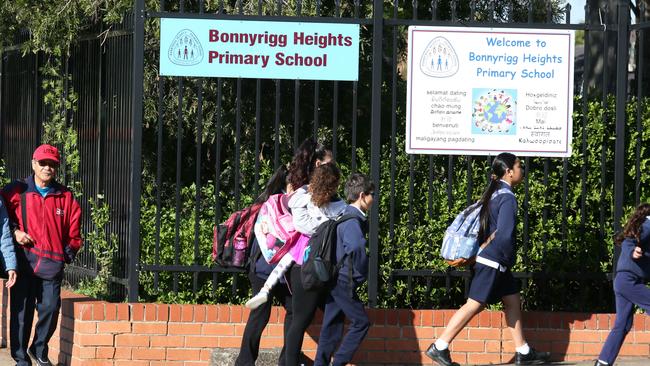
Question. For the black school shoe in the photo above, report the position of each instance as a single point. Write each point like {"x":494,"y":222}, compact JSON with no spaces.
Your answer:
{"x":532,"y":358}
{"x":441,"y":357}
{"x":39,"y":361}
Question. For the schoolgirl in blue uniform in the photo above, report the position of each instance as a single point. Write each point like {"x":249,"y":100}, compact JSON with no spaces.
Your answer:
{"x":493,"y":280}
{"x":632,"y":270}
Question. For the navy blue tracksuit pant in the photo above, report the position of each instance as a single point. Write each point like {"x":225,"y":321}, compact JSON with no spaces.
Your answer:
{"x":30,"y":294}
{"x":630,"y":290}
{"x":341,"y":303}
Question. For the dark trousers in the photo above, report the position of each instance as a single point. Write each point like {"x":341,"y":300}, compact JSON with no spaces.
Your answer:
{"x":341,"y":303}
{"x":304,"y":305}
{"x":629,"y":290}
{"x":28,"y":294}
{"x":257,"y":320}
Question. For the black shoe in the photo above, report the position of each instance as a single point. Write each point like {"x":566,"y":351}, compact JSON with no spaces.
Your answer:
{"x":441,"y":357}
{"x":532,"y":358}
{"x":39,"y":361}
{"x":599,"y":363}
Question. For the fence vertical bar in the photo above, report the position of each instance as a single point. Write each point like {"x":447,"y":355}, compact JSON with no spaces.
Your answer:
{"x":197,"y":195}
{"x":621,"y":101}
{"x":375,"y":146}
{"x":136,"y":148}
{"x":639,"y":110}
{"x":393,"y":124}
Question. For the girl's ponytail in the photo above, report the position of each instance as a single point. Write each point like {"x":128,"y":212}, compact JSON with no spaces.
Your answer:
{"x":500,"y":165}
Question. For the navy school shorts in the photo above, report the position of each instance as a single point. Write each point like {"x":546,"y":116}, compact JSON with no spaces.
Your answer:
{"x":489,"y":285}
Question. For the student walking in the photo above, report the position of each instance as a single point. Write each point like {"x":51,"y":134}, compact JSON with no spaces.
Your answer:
{"x":632,"y":271}
{"x":310,"y":206}
{"x":493,"y":280}
{"x":342,"y":301}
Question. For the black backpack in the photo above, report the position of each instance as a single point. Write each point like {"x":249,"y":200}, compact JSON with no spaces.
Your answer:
{"x":319,"y":266}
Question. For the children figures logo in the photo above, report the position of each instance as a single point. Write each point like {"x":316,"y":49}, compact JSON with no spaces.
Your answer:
{"x":185,"y":49}
{"x":439,"y":59}
{"x":494,"y":111}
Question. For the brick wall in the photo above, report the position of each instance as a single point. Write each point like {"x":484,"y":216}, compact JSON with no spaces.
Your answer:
{"x":99,"y":333}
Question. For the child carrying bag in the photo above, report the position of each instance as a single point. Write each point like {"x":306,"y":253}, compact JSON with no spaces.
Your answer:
{"x":460,"y":244}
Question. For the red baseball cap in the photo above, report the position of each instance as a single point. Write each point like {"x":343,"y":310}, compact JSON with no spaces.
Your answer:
{"x":46,"y":152}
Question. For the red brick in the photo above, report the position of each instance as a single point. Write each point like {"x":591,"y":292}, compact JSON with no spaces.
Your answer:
{"x":111,"y":311}
{"x":93,"y":339}
{"x":484,"y":319}
{"x":98,"y":311}
{"x":167,"y":341}
{"x":483,"y":358}
{"x":484,"y":333}
{"x":137,"y":312}
{"x":114,"y":327}
{"x":467,"y":346}
{"x":183,"y":354}
{"x":211,"y":313}
{"x":162,"y":312}
{"x":406,"y":317}
{"x":105,"y":352}
{"x":236,"y":314}
{"x":150,"y":328}
{"x":438,"y":319}
{"x":148,"y":353}
{"x":183,"y":328}
{"x":218,"y":329}
{"x":132,"y":340}
{"x":123,"y":353}
{"x":83,"y":352}
{"x":83,"y":311}
{"x":130,"y":363}
{"x":123,"y":311}
{"x":201,"y":342}
{"x":85,"y":327}
{"x":187,"y":313}
{"x":392,"y":318}
{"x":224,"y":314}
{"x":150,"y":312}
{"x":229,"y":342}
{"x":175,"y":313}
{"x":199,"y":313}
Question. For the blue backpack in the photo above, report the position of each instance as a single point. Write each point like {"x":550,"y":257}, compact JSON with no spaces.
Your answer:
{"x":460,"y":244}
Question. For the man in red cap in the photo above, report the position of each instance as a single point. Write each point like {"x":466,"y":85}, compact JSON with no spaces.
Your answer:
{"x":46,"y":224}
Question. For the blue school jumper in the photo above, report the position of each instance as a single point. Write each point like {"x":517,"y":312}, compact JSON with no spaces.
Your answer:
{"x":492,"y":278}
{"x":630,"y":290}
{"x":342,"y":301}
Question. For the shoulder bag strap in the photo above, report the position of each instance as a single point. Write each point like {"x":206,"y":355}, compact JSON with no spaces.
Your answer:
{"x":23,"y":210}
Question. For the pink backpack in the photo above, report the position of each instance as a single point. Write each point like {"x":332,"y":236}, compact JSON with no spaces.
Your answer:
{"x":274,"y":228}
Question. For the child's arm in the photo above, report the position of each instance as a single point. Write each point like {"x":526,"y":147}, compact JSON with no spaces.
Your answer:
{"x":6,"y":241}
{"x":354,"y":244}
{"x":302,"y":221}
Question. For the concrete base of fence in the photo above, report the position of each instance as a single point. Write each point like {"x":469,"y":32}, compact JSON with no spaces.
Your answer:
{"x":99,"y":333}
{"x":227,"y":357}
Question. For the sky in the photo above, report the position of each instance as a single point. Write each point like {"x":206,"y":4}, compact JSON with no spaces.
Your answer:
{"x":577,"y":11}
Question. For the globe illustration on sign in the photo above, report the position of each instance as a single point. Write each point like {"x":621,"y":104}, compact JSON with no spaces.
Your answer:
{"x":494,"y":111}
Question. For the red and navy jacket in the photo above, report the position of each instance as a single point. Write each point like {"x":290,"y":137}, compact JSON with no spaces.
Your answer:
{"x":53,"y":222}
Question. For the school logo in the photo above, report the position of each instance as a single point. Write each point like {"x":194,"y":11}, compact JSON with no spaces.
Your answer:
{"x":439,"y":59}
{"x":185,"y":49}
{"x":59,"y":212}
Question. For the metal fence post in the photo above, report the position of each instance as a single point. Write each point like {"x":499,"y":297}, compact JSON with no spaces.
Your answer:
{"x":136,"y":148}
{"x":621,"y":100}
{"x":375,"y":146}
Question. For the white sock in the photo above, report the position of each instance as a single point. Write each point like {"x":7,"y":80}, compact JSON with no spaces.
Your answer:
{"x":603,"y":362}
{"x":441,"y":345}
{"x":524,"y":350}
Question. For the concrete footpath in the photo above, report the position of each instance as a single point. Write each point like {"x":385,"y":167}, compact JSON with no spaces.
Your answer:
{"x":6,"y":360}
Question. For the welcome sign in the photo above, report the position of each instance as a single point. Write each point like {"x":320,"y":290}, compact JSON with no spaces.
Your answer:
{"x":254,"y":49}
{"x":481,"y":91}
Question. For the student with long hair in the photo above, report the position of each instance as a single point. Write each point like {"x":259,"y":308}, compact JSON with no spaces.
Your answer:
{"x":493,"y":280}
{"x":311,"y":206}
{"x":309,"y":155}
{"x":632,"y":271}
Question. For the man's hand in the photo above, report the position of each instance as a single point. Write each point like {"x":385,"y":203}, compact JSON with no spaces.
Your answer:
{"x":12,"y":278}
{"x":637,"y":253}
{"x":23,"y":238}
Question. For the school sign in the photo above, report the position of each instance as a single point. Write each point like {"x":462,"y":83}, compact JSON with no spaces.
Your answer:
{"x":481,"y":91}
{"x":254,"y":49}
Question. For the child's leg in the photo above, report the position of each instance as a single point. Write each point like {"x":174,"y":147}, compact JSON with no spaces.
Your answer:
{"x":273,"y":279}
{"x":628,"y":290}
{"x":512,"y":310}
{"x":330,"y":333}
{"x":359,"y":323}
{"x":460,"y":319}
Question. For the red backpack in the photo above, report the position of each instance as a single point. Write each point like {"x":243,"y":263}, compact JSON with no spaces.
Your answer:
{"x":232,"y":238}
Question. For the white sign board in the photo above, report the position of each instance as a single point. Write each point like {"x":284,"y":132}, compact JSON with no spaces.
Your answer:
{"x":482,"y":91}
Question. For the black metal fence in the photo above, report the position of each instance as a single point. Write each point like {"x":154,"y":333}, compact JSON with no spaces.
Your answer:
{"x":174,"y":156}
